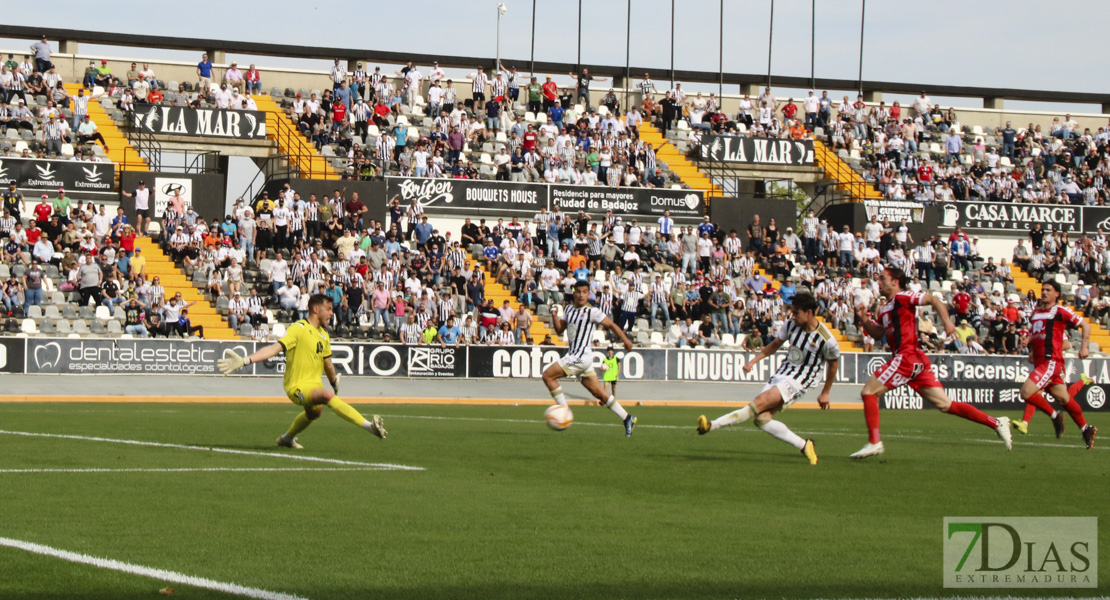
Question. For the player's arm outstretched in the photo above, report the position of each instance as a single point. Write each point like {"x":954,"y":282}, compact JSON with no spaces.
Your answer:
{"x":872,"y":328}
{"x":611,"y":326}
{"x":767,"y":350}
{"x":232,"y":361}
{"x":938,"y":305}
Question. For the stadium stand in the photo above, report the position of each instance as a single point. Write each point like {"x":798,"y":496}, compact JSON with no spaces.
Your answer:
{"x":719,"y":289}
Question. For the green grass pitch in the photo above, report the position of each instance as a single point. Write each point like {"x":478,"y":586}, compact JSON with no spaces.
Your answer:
{"x":506,"y":508}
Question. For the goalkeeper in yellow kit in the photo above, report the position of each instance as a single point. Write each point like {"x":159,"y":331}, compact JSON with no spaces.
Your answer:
{"x":307,"y":348}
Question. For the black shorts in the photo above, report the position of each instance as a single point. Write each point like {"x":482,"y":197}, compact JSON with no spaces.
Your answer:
{"x":479,"y":97}
{"x":147,"y":212}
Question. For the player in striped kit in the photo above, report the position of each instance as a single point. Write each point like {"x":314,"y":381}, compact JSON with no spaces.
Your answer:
{"x":908,"y":364}
{"x":580,"y":320}
{"x":811,"y":347}
{"x":1050,"y":323}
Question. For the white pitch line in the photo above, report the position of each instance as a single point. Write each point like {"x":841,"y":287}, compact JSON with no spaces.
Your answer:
{"x":832,"y":432}
{"x":333,"y":461}
{"x":159,"y":574}
{"x":199,"y":470}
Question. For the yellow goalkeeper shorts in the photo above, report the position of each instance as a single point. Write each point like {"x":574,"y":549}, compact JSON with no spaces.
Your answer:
{"x":300,"y":393}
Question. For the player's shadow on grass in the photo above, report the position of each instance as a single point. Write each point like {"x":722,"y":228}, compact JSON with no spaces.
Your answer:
{"x":718,"y":456}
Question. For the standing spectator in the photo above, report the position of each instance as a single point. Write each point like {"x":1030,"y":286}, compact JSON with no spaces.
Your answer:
{"x":583,"y":81}
{"x":42,"y":52}
{"x":204,"y":73}
{"x":953,"y":144}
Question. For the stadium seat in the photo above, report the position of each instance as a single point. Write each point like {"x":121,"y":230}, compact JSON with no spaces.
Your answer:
{"x":29,"y":326}
{"x":34,"y":312}
{"x":657,"y":339}
{"x":728,"y":340}
{"x":114,"y":326}
{"x":102,"y":313}
{"x":80,"y":327}
{"x":47,"y":327}
{"x":64,"y":327}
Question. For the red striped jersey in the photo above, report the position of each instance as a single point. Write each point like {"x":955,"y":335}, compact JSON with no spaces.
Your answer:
{"x":1048,"y":330}
{"x":899,"y":318}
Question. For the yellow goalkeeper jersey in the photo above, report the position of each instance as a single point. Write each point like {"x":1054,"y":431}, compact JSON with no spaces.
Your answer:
{"x":305,"y":347}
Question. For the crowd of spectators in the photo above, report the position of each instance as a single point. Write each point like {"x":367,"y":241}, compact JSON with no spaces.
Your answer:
{"x":923,"y":153}
{"x":698,"y":286}
{"x":87,"y":253}
{"x":701,"y":285}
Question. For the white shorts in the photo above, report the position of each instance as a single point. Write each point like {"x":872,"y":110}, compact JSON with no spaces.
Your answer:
{"x":791,"y":389}
{"x":581,"y":367}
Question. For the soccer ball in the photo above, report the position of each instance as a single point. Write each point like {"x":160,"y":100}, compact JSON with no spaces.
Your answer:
{"x":558,"y":417}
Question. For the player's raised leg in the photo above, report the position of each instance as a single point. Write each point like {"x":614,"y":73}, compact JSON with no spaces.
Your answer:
{"x":551,"y":376}
{"x":1034,"y":399}
{"x":1066,"y":399}
{"x":761,"y":411}
{"x":938,"y":398}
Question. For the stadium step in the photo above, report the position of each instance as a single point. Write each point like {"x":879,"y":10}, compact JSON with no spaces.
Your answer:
{"x":842,"y":340}
{"x":499,"y":294}
{"x":120,"y":150}
{"x":302,"y":152}
{"x":679,"y":164}
{"x":848,"y":180}
{"x":174,"y":280}
{"x":1026,"y":283}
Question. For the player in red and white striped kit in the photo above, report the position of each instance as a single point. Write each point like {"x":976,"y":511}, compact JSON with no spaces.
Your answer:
{"x":1050,"y":323}
{"x":909,"y":365}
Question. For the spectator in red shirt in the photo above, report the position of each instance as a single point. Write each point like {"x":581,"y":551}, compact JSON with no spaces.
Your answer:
{"x":550,"y":93}
{"x":33,"y":233}
{"x":43,"y":210}
{"x":961,"y":302}
{"x":789,"y":110}
{"x":529,"y":140}
{"x":127,"y":240}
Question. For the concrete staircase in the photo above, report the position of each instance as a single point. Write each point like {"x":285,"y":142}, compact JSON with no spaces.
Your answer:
{"x":848,"y":181}
{"x":1026,"y":283}
{"x":119,"y":150}
{"x":499,"y":294}
{"x":678,"y":164}
{"x":302,"y":152}
{"x":174,"y":280}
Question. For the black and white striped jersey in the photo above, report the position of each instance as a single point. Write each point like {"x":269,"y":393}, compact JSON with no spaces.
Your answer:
{"x":411,"y":333}
{"x":806,"y":353}
{"x":581,"y":324}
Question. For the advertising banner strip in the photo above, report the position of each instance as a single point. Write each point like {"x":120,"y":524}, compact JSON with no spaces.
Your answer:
{"x":42,"y":174}
{"x":200,"y":122}
{"x":757,"y":151}
{"x":502,"y":197}
{"x":990,"y":382}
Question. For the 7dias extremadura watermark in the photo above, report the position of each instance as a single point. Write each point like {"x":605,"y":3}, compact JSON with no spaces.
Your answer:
{"x":1021,"y":552}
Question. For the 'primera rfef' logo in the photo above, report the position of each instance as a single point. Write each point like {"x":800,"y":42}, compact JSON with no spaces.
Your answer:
{"x":1021,"y":552}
